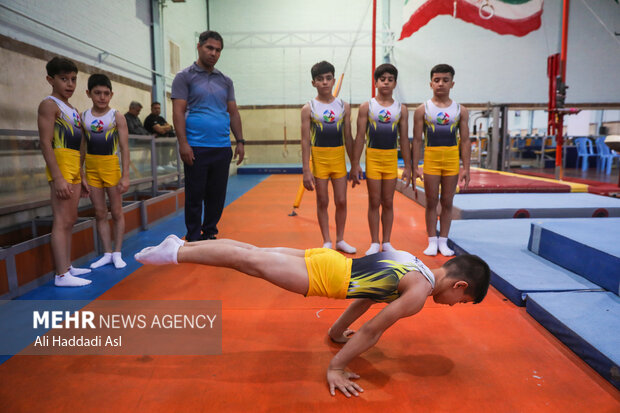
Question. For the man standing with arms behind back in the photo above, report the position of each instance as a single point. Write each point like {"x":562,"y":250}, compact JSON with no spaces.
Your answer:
{"x":204,"y":112}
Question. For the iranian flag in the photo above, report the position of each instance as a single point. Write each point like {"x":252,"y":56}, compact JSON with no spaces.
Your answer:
{"x":516,"y":17}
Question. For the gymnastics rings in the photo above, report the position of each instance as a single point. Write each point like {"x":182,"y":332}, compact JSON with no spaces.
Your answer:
{"x":486,"y":11}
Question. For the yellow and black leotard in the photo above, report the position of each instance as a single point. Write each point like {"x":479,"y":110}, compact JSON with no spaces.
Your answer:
{"x":101,"y":163}
{"x":327,"y":139}
{"x":377,"y":276}
{"x":441,"y":139}
{"x":66,"y":142}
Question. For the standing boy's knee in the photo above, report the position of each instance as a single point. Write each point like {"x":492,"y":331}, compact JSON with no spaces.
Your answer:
{"x":431,"y":202}
{"x":446,"y":202}
{"x":117,"y":214}
{"x":374,"y":200}
{"x":322,"y":202}
{"x":65,"y":223}
{"x":101,"y":214}
{"x":387,"y":203}
{"x":340,"y":202}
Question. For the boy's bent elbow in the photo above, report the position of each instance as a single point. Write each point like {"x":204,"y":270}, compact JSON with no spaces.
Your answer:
{"x":370,"y":334}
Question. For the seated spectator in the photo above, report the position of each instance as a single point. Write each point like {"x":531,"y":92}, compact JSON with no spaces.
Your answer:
{"x":156,"y":124}
{"x":134,"y":125}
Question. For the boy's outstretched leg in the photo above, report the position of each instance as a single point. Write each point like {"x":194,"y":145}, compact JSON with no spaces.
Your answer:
{"x":284,"y":267}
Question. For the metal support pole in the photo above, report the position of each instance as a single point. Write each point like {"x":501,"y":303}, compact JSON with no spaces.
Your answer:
{"x":494,"y":144}
{"x":504,"y":160}
{"x":374,"y":46}
{"x":154,"y":167}
{"x":157,"y":36}
{"x":386,"y":31}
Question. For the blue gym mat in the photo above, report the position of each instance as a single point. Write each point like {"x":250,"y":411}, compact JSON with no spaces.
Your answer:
{"x":548,"y":205}
{"x":516,"y":271}
{"x":270,"y":169}
{"x":282,"y":168}
{"x":588,"y":247}
{"x":586,"y":322}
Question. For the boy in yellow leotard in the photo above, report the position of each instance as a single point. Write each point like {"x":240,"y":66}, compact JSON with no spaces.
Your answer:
{"x":326,"y":134}
{"x":380,"y":121}
{"x":395,"y":277}
{"x":444,"y":124}
{"x":61,"y":138}
{"x":106,"y":133}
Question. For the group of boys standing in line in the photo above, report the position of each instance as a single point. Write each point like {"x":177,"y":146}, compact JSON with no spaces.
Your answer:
{"x":382,"y":124}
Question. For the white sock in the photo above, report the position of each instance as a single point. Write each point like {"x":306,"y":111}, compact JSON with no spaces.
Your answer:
{"x":68,"y":280}
{"x":78,"y":271}
{"x":344,"y":247}
{"x":118,"y":260}
{"x":106,"y":259}
{"x":387,"y":247}
{"x":327,"y":245}
{"x":432,"y":246}
{"x":442,"y":243}
{"x":374,"y":248}
{"x":164,"y":253}
{"x":176,"y":239}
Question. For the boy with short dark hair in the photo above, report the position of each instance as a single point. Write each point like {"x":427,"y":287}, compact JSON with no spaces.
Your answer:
{"x":60,"y":134}
{"x":106,"y":132}
{"x":326,"y":134}
{"x":444,"y":124}
{"x":380,"y":121}
{"x":396,"y":277}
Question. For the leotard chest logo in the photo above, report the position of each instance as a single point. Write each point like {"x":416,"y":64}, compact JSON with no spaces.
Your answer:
{"x":384,"y":116}
{"x":96,"y":125}
{"x":443,"y":118}
{"x":329,"y":116}
{"x":76,"y":120}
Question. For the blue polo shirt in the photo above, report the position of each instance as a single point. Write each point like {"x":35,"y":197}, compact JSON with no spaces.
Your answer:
{"x":207,"y":122}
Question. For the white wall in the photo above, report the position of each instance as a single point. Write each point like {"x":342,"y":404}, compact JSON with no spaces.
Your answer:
{"x":490,"y":67}
{"x":120,"y":27}
{"x":183,"y":22}
{"x":281,"y":75}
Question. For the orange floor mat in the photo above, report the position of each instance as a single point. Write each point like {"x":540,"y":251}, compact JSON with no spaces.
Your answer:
{"x":490,"y":357}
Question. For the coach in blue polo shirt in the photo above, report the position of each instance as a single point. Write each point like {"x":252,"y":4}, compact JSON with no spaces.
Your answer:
{"x":204,"y":112}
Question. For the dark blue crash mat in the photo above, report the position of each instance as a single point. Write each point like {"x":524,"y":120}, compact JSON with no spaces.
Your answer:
{"x":516,"y":271}
{"x":588,"y":322}
{"x":589,"y":247}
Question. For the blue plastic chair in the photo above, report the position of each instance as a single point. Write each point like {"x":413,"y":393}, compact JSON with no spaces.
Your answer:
{"x":606,"y":156}
{"x":584,"y":151}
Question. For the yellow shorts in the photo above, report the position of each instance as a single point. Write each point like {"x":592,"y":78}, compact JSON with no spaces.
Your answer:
{"x":328,"y":162}
{"x":102,"y":171}
{"x":441,"y":160}
{"x":381,"y":163}
{"x":329,"y":273}
{"x":68,"y":161}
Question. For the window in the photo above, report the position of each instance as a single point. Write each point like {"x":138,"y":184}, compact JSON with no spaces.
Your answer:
{"x":175,"y":57}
